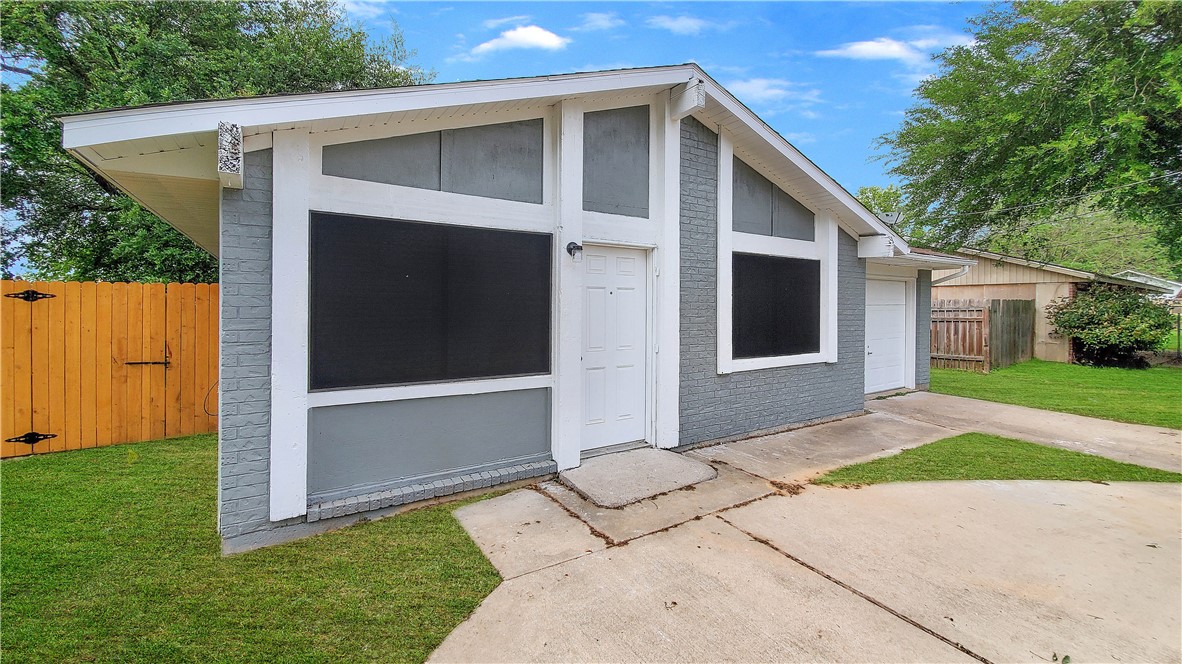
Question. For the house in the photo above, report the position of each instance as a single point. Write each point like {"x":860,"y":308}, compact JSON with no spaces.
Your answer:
{"x":1173,"y":289}
{"x":1001,"y":277}
{"x":436,"y":288}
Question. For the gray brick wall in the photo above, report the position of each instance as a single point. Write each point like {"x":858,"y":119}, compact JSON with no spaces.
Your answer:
{"x":923,"y":329}
{"x":714,"y":406}
{"x":245,"y":388}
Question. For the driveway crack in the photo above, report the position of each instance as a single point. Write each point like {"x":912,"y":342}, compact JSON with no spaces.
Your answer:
{"x":914,"y":623}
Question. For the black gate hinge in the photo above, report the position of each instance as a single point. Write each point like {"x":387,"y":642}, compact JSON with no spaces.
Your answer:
{"x":30,"y":295}
{"x":31,"y":438}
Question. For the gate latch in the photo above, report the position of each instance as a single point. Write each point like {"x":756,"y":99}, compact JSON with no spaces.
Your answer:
{"x":30,"y":295}
{"x":31,"y":438}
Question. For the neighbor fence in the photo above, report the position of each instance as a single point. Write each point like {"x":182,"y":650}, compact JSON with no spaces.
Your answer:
{"x":980,"y":335}
{"x":85,"y":364}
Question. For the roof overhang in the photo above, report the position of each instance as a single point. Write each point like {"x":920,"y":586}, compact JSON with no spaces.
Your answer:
{"x":165,"y":156}
{"x":1082,"y":275}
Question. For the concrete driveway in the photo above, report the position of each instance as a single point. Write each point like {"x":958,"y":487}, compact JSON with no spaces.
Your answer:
{"x":752,"y":567}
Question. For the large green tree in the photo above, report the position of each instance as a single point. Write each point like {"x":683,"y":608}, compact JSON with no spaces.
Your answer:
{"x":1054,"y":105}
{"x":67,"y":57}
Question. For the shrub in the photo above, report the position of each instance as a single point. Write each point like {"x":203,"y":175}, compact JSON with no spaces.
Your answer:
{"x":1110,"y":324}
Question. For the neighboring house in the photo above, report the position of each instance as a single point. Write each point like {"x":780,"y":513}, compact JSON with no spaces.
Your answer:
{"x":444,"y":287}
{"x":1173,"y":289}
{"x":1000,"y":277}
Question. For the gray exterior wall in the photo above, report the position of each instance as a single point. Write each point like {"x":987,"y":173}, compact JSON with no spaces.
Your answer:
{"x":615,"y":161}
{"x":363,"y":448}
{"x":923,"y":329}
{"x":244,"y":389}
{"x":714,"y":406}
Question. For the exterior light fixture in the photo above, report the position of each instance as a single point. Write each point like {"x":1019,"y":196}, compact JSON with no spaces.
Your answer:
{"x":575,"y":250}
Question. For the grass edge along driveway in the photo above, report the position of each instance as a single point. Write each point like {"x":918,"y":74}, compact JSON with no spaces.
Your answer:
{"x":1138,"y":396}
{"x":981,"y":456}
{"x":112,"y":554}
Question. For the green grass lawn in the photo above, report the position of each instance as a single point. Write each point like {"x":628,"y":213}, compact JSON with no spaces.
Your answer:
{"x":980,"y":456}
{"x":112,"y":554}
{"x":1140,"y":396}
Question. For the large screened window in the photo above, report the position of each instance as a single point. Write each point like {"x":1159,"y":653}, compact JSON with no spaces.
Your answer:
{"x":395,"y":302}
{"x":776,"y":306}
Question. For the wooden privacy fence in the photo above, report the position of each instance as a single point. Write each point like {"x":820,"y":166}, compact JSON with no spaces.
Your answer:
{"x":88,"y":364}
{"x":979,"y":335}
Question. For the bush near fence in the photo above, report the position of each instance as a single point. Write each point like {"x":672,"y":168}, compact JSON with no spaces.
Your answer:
{"x":97,"y":364}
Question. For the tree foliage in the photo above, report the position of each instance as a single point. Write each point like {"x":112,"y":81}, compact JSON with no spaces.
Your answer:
{"x":881,"y":200}
{"x":1109,"y":324}
{"x":1053,"y":105}
{"x":1096,"y":242}
{"x":68,"y":57}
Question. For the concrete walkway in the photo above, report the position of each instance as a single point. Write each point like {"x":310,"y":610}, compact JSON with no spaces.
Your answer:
{"x":754,"y":566}
{"x":1156,"y":447}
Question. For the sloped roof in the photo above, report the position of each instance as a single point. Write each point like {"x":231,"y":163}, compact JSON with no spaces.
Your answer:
{"x":164,"y":155}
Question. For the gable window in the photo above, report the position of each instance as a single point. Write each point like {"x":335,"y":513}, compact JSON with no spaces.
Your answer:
{"x":777,"y":273}
{"x":396,"y":302}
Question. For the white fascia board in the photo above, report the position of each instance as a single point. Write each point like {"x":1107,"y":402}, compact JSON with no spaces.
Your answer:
{"x":740,"y":111}
{"x":129,"y":124}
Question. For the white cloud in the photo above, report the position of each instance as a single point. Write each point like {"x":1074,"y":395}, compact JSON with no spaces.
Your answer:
{"x":593,"y":21}
{"x":681,"y":25}
{"x":494,"y":23}
{"x":523,"y":37}
{"x":800,"y":137}
{"x":880,"y":48}
{"x":367,"y":9}
{"x":765,"y":90}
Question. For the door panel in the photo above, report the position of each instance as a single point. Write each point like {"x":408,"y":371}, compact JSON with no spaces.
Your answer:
{"x":614,"y":346}
{"x":886,"y":334}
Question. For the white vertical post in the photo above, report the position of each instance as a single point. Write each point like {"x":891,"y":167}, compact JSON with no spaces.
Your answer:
{"x":725,"y":211}
{"x":567,"y":420}
{"x":289,"y":325}
{"x":668,"y":291}
{"x":826,"y":238}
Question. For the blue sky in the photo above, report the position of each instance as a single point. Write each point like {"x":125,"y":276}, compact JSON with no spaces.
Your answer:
{"x":831,"y":77}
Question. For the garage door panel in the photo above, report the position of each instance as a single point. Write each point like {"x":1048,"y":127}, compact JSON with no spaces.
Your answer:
{"x":887,"y":339}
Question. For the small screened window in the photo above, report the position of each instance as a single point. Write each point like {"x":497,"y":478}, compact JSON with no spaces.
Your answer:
{"x":761,"y":208}
{"x":776,"y":306}
{"x":615,"y":161}
{"x":394,"y":302}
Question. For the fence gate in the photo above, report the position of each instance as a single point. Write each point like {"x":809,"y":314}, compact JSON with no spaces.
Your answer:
{"x":85,"y":364}
{"x":979,"y":335}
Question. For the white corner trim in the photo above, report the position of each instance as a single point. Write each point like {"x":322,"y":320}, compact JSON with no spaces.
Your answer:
{"x":667,"y":261}
{"x":725,"y":250}
{"x":567,"y":402}
{"x":289,"y":326}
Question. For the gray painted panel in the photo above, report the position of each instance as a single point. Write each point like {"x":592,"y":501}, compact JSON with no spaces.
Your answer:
{"x":923,"y":328}
{"x":495,"y":161}
{"x":615,"y":161}
{"x":751,"y":200}
{"x":790,"y":218}
{"x":762,"y":208}
{"x":714,"y":406}
{"x":359,"y":448}
{"x":409,"y":161}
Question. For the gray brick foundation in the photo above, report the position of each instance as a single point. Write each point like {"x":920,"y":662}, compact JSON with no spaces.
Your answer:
{"x":713,"y":406}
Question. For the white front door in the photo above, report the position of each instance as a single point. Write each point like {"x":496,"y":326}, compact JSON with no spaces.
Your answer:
{"x":615,"y":309}
{"x":886,"y":334}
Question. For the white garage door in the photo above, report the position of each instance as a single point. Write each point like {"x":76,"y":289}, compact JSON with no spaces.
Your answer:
{"x":886,"y":334}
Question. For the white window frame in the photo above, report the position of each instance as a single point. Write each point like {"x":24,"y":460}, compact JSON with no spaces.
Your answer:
{"x":823,"y":248}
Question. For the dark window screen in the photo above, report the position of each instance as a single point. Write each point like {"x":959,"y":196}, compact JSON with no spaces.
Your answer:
{"x":404,"y":302}
{"x":776,"y":306}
